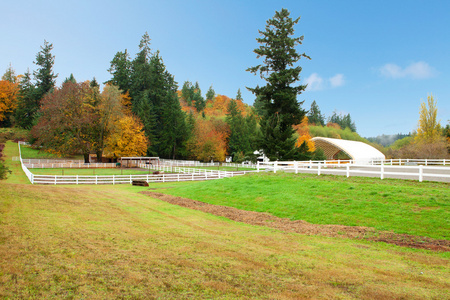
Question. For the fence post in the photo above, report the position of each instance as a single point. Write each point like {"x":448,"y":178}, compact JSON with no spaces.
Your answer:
{"x":114,"y":180}
{"x":275,"y":167}
{"x":55,"y":179}
{"x":131,"y":180}
{"x":348,"y":170}
{"x":257,"y":166}
{"x":382,"y":171}
{"x":96,"y":180}
{"x":296,"y":167}
{"x":420,"y":173}
{"x":178,"y":177}
{"x":77,"y":179}
{"x":426,"y":162}
{"x":318,"y":169}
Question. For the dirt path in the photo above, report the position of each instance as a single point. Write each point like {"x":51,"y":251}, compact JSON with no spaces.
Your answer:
{"x":303,"y":227}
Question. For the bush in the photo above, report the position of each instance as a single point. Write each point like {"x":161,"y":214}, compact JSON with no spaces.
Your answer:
{"x":3,"y":169}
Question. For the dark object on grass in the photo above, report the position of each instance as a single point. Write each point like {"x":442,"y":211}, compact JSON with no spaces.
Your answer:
{"x":140,"y":182}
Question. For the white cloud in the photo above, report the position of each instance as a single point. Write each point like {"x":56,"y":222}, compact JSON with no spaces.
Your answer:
{"x":337,"y":80}
{"x":316,"y":83}
{"x":417,"y":70}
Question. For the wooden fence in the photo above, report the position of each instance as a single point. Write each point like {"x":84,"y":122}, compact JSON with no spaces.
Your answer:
{"x":415,"y":172}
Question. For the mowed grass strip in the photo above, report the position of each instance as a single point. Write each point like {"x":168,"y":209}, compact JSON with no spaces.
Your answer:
{"x":402,"y":206}
{"x":102,"y":242}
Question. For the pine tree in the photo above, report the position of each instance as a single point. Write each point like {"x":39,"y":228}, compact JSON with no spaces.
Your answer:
{"x":315,"y":116}
{"x":239,"y":95}
{"x":120,"y":69}
{"x":279,"y":95}
{"x":71,"y":78}
{"x":44,"y":76}
{"x":27,"y":105}
{"x":10,"y":75}
{"x":173,"y":122}
{"x":210,"y":93}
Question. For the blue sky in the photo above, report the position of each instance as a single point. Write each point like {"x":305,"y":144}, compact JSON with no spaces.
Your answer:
{"x":376,"y":60}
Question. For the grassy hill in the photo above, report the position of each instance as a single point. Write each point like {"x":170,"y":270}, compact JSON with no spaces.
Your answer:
{"x":102,"y":242}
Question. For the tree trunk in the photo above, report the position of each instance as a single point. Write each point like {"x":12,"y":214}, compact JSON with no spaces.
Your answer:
{"x":99,"y":156}
{"x":86,"y":157}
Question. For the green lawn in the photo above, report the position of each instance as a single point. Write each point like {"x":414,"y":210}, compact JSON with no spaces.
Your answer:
{"x":399,"y":205}
{"x":111,"y":242}
{"x":31,"y":153}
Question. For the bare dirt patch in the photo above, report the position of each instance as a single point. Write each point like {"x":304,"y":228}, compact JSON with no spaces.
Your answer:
{"x":303,"y":227}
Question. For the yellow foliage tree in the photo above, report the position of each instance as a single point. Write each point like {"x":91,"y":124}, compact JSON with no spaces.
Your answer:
{"x":209,"y":141}
{"x":8,"y":98}
{"x":429,"y":128}
{"x":304,"y":135}
{"x":128,"y":139}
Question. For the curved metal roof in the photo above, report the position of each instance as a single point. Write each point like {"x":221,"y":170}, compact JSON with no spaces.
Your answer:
{"x":360,"y":152}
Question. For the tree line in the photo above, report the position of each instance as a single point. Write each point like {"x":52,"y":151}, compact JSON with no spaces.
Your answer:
{"x":142,"y":110}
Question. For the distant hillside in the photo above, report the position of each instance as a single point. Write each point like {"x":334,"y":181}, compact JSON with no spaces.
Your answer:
{"x":337,"y":133}
{"x":387,"y":140}
{"x":217,"y":107}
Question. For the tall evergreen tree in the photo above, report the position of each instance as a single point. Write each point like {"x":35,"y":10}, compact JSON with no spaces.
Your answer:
{"x":27,"y":105}
{"x":239,"y":95}
{"x":315,"y":116}
{"x":44,"y":76}
{"x":120,"y":69}
{"x":10,"y":75}
{"x":174,"y":128}
{"x":71,"y":78}
{"x":94,"y":83}
{"x":187,"y":92}
{"x":210,"y":93}
{"x":279,"y":95}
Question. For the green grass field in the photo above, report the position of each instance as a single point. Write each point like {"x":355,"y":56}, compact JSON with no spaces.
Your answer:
{"x":399,"y":205}
{"x":101,"y":242}
{"x":30,"y":153}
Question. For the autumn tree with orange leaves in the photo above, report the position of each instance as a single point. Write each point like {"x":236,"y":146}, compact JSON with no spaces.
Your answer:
{"x":209,"y":140}
{"x":304,"y":136}
{"x":8,"y":100}
{"x":67,"y":121}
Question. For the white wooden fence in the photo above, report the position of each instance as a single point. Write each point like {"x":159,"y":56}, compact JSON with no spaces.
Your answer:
{"x":182,"y":174}
{"x":194,"y":163}
{"x":383,"y":170}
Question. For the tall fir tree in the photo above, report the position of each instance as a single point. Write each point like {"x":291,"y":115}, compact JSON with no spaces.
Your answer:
{"x":239,"y":95}
{"x":27,"y":105}
{"x":44,"y":76}
{"x":279,"y":95}
{"x":10,"y":75}
{"x":315,"y":116}
{"x":120,"y":69}
{"x":210,"y":93}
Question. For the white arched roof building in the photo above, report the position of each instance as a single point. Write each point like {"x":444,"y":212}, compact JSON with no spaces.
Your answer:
{"x":360,"y":152}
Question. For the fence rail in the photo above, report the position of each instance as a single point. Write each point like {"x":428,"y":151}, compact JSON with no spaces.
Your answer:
{"x":69,"y":165}
{"x":416,"y":172}
{"x":181,"y":174}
